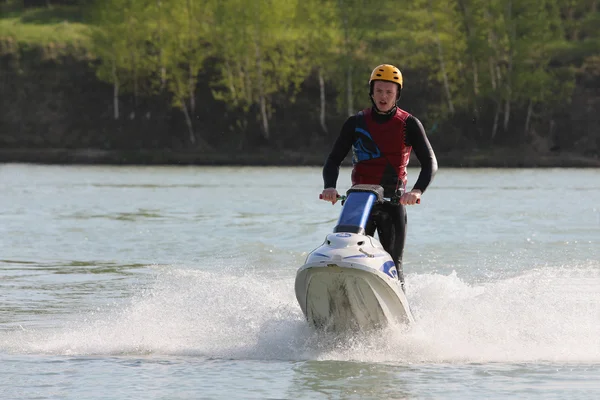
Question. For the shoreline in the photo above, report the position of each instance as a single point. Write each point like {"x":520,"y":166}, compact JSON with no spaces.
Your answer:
{"x":498,"y":158}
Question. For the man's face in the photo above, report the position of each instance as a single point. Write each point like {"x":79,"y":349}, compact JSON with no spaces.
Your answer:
{"x":384,"y":95}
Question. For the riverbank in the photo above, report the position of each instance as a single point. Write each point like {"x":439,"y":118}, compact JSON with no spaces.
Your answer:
{"x":496,"y":158}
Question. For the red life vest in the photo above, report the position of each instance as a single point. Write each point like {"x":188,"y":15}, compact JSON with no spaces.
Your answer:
{"x":380,"y":153}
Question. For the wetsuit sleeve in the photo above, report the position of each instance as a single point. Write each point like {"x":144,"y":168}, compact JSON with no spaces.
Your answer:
{"x":343,"y":143}
{"x":417,"y":138}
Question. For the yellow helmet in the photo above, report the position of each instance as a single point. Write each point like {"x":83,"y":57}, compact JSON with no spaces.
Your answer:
{"x":386,"y":72}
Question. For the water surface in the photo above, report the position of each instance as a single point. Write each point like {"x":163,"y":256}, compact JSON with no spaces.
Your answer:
{"x":177,"y":282}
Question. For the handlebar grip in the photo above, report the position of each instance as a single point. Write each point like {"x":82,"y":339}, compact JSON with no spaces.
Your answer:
{"x":339,"y":197}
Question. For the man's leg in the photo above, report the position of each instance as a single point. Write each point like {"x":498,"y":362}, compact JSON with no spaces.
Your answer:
{"x":385,"y":229}
{"x":390,"y":221}
{"x":398,"y":219}
{"x":371,"y":222}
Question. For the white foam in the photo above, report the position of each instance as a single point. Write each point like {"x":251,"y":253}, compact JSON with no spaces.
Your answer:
{"x":548,"y":314}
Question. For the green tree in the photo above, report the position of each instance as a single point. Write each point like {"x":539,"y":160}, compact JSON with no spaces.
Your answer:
{"x":119,"y":40}
{"x":259,"y":54}
{"x":356,"y":57}
{"x":316,"y":20}
{"x":183,"y":53}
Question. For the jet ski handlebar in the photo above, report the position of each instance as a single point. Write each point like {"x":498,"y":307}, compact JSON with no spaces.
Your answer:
{"x":343,"y":198}
{"x":374,"y":189}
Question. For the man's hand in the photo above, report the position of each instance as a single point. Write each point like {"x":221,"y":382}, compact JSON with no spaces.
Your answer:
{"x":411,"y":198}
{"x":330,"y":194}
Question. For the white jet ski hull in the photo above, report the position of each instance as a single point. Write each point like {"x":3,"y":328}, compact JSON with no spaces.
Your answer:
{"x":350,"y":283}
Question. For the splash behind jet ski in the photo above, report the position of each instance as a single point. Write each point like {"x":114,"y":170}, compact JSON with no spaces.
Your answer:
{"x":350,"y":282}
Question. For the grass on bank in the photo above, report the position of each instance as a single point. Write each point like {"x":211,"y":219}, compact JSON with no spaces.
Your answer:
{"x":59,"y":25}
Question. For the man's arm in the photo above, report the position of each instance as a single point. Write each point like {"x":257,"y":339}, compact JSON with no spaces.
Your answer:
{"x":331,"y":169}
{"x":417,"y":138}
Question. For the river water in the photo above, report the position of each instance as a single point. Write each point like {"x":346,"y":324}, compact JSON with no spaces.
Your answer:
{"x":177,"y":283}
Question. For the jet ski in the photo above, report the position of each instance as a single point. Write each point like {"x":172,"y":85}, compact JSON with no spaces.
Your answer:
{"x":350,"y":283}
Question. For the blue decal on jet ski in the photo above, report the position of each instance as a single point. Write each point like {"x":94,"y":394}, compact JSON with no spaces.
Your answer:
{"x":389,"y":268}
{"x":356,"y":256}
{"x":321,"y":255}
{"x":343,"y":235}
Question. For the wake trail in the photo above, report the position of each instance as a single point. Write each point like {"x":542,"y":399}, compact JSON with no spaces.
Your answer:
{"x":548,"y":314}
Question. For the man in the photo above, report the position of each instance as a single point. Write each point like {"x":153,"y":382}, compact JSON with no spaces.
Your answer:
{"x":382,"y":138}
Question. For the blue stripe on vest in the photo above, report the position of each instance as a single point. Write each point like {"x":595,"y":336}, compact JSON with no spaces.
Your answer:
{"x":363,"y":148}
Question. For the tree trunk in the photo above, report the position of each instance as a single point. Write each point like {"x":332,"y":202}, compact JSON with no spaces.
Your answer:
{"x":163,"y":74}
{"x":135,"y":82}
{"x":475,"y":90}
{"x":496,"y":117}
{"x":264,"y":116}
{"x":161,"y":57}
{"x":191,"y":77}
{"x":188,"y":122}
{"x":495,"y":73}
{"x":442,"y":62}
{"x":346,"y":27}
{"x":528,"y":117}
{"x":323,"y":104}
{"x":192,"y":136}
{"x":230,"y":78}
{"x":247,"y":81}
{"x":492,"y":73}
{"x":475,"y":70}
{"x":506,"y":112}
{"x":261,"y":94}
{"x":115,"y":90}
{"x":192,"y":90}
{"x":475,"y":79}
{"x":512,"y":38}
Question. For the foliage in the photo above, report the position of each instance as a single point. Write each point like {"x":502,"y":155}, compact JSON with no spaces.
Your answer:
{"x":501,"y":63}
{"x":41,"y":27}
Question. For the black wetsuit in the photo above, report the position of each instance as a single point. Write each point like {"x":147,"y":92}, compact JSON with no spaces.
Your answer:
{"x":389,"y":219}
